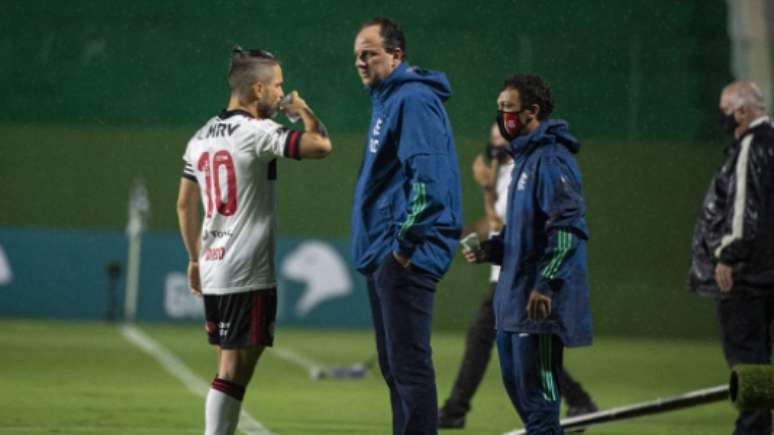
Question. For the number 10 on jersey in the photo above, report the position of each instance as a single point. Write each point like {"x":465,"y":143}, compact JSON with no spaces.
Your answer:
{"x":212,"y":180}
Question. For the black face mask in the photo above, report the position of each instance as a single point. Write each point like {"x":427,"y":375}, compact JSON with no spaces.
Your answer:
{"x":728,"y":123}
{"x":494,"y":152}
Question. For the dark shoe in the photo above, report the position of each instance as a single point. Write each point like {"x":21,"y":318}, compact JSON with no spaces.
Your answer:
{"x":584,"y":408}
{"x":448,"y":421}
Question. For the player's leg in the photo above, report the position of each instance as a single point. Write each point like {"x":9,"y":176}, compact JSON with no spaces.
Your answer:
{"x":224,"y":400}
{"x":381,"y":351}
{"x":478,"y":350}
{"x":245,"y":326}
{"x":744,"y":327}
{"x":407,"y":296}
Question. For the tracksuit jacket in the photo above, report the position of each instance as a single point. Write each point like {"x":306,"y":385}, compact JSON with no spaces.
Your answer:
{"x":736,"y":223}
{"x":407,"y":198}
{"x":543,"y":243}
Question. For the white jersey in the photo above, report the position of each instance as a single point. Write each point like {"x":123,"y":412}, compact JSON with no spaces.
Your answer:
{"x":232,"y":158}
{"x":501,"y":205}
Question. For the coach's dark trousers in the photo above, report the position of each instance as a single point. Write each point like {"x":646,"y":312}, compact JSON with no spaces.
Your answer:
{"x":745,"y":323}
{"x":402,"y":309}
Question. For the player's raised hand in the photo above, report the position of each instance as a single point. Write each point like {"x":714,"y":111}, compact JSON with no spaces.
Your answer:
{"x":194,"y":280}
{"x":293,"y":103}
{"x":538,"y":306}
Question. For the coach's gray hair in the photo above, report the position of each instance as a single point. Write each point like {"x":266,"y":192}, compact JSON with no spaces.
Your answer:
{"x":747,"y":93}
{"x":247,"y":67}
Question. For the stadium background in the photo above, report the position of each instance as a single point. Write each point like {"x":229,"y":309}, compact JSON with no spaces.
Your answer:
{"x":97,"y":95}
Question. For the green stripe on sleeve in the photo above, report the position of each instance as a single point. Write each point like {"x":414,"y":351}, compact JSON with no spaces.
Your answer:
{"x":563,"y":244}
{"x":420,"y":204}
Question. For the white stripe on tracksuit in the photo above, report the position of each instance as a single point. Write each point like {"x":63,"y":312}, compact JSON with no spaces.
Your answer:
{"x":740,"y":196}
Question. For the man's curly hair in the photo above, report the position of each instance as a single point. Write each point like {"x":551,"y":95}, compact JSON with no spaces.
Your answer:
{"x":532,"y":90}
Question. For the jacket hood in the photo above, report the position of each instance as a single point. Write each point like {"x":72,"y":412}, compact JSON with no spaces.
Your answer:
{"x":549,"y":130}
{"x":404,"y":73}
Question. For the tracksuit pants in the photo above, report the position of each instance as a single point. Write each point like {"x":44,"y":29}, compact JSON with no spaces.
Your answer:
{"x":530,"y":366}
{"x":479,"y":341}
{"x":745,"y":323}
{"x":402,"y":310}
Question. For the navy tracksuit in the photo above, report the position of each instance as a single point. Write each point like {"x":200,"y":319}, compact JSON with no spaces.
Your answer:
{"x":542,"y":247}
{"x":407,"y":201}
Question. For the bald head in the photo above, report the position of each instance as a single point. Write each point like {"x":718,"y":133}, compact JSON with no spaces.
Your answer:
{"x":742,"y":102}
{"x":742,"y":94}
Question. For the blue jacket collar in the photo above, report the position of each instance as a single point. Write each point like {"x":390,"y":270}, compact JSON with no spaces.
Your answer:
{"x":405,"y":73}
{"x":549,"y":131}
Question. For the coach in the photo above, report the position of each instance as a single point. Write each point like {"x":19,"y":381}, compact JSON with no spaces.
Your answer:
{"x":733,"y":242}
{"x":406,"y":215}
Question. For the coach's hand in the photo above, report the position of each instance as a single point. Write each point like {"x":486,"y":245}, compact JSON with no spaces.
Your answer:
{"x":194,"y":280}
{"x":538,"y":306}
{"x":724,"y":277}
{"x":475,"y":256}
{"x":403,"y":261}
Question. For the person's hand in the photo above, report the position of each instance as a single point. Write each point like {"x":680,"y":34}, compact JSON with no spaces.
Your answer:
{"x":484,"y":174}
{"x":293,"y":103}
{"x":474,"y":256}
{"x":724,"y":277}
{"x":194,"y":280}
{"x":403,"y":261}
{"x":538,"y":306}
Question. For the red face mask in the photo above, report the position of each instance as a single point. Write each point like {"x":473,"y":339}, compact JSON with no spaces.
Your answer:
{"x":509,"y":124}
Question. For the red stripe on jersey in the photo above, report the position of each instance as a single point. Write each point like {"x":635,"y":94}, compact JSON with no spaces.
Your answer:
{"x":292,"y":144}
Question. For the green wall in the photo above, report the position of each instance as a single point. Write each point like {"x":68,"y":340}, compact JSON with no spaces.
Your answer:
{"x":98,"y":93}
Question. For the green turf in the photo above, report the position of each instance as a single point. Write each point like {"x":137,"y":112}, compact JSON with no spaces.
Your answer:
{"x":72,"y":378}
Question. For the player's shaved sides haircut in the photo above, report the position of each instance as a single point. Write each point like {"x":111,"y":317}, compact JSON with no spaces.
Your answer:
{"x":247,"y":67}
{"x":532,"y":90}
{"x":392,"y":36}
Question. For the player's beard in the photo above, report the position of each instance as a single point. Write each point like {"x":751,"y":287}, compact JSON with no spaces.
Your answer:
{"x":267,"y":111}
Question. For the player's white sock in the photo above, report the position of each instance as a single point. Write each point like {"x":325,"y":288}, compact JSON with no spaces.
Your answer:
{"x":224,"y":402}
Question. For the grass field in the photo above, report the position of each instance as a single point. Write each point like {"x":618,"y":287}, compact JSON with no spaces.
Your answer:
{"x":86,"y":378}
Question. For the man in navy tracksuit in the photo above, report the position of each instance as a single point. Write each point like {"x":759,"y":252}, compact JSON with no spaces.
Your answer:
{"x":406,"y":216}
{"x":541,"y":301}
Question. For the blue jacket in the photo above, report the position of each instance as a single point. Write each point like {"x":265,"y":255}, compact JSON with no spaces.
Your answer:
{"x":407,"y":197}
{"x":543,"y":245}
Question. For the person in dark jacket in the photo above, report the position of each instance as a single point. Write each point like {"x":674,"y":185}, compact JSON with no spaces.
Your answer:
{"x":494,"y":180}
{"x":733,"y":241}
{"x":406,"y":216}
{"x":541,"y":302}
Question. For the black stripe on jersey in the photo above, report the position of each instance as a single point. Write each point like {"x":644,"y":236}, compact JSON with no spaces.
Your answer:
{"x":293,"y":145}
{"x":189,"y":176}
{"x":272,"y":172}
{"x":225,"y":114}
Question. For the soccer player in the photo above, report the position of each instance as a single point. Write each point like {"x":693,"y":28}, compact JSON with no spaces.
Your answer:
{"x":406,"y":216}
{"x":230,"y":164}
{"x":541,"y":302}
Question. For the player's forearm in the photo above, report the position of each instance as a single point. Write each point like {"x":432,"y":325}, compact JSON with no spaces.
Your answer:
{"x":315,"y":143}
{"x":190,"y":227}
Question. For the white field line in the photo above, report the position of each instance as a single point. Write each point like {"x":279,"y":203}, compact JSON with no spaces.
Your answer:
{"x":306,"y":363}
{"x":247,"y":424}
